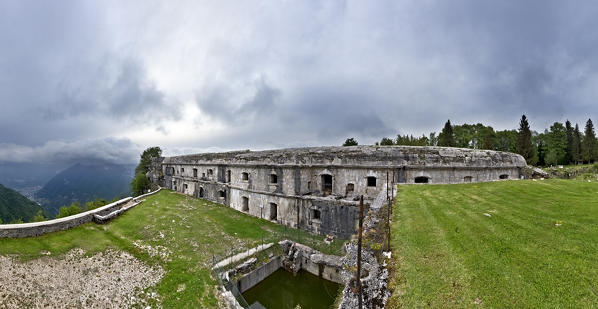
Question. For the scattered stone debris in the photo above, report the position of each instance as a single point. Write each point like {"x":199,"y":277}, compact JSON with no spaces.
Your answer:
{"x":159,"y":251}
{"x":110,"y":279}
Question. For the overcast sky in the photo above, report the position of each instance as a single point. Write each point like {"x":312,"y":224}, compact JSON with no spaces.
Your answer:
{"x":106,"y":79}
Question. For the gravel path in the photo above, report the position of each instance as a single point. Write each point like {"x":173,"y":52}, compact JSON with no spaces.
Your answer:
{"x":110,"y":279}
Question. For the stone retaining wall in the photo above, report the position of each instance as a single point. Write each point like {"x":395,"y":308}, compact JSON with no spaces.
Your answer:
{"x":253,"y":278}
{"x":40,"y":228}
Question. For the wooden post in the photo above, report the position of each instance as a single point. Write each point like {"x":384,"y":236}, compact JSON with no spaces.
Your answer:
{"x":360,"y":295}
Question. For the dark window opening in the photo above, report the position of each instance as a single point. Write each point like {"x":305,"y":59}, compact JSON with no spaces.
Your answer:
{"x":203,"y":175}
{"x":185,"y":187}
{"x":273,"y":178}
{"x":194,"y":172}
{"x":182,"y":170}
{"x":222,"y":193}
{"x":316,"y":214}
{"x":504,"y":176}
{"x":273,"y":211}
{"x":467,"y":178}
{"x":422,"y":179}
{"x":326,"y":184}
{"x":245,"y":203}
{"x":371,"y":181}
{"x":210,"y":172}
{"x":245,"y":176}
{"x":350,"y":187}
{"x":228,"y":176}
{"x":200,"y":192}
{"x":309,"y":185}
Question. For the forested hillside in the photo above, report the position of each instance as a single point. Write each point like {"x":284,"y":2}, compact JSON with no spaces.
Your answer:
{"x":14,"y":206}
{"x":85,"y":182}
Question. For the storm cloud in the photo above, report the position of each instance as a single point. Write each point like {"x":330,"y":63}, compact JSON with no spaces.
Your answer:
{"x":201,"y":76}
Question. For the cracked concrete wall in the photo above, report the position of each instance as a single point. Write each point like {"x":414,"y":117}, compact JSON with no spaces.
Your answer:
{"x":298,"y":191}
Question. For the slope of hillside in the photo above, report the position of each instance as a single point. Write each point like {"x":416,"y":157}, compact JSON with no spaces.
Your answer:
{"x":85,"y":182}
{"x":14,"y":206}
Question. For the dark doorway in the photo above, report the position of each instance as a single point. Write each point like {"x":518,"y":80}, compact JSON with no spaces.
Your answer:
{"x":245,"y":176}
{"x":273,"y":211}
{"x":228,"y":176}
{"x":350,"y":188}
{"x":245,"y":203}
{"x":326,"y":184}
{"x":200,"y":192}
{"x":195,"y":172}
{"x":467,"y":178}
{"x":273,"y":178}
{"x":422,"y":179}
{"x":371,"y":181}
{"x":316,"y":214}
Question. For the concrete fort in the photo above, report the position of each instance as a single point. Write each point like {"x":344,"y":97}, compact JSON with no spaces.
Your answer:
{"x":317,"y":188}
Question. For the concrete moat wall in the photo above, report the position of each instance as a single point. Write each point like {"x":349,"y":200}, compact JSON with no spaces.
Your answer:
{"x":316,"y":189}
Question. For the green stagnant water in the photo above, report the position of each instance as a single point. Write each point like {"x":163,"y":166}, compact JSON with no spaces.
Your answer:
{"x":282,"y":290}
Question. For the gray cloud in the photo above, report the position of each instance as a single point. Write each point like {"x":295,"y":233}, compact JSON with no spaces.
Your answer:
{"x":107,"y":150}
{"x":267,"y":78}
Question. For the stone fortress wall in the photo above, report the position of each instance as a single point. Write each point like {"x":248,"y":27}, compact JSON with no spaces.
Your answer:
{"x":317,"y":188}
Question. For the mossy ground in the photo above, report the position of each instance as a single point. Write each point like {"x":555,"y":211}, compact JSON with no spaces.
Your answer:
{"x":522,"y":244}
{"x":183,"y":234}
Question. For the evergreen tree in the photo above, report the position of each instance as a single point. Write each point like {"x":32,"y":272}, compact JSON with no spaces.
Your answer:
{"x":446,"y":138}
{"x":570,"y":141}
{"x":350,"y":142}
{"x":576,"y":145}
{"x":386,"y":142}
{"x":556,"y":145}
{"x":524,"y":145}
{"x":588,"y":146}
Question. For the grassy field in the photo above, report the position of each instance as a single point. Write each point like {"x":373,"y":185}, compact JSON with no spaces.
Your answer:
{"x":524,"y":244}
{"x":184,"y":233}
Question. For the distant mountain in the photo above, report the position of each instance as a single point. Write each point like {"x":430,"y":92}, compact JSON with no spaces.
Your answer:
{"x":14,"y":206}
{"x":85,"y":182}
{"x":27,"y":178}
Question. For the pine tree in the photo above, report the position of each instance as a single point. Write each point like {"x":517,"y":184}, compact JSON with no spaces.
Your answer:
{"x":576,"y":146}
{"x":446,"y":138}
{"x":588,"y":145}
{"x":524,"y":141}
{"x":570,"y":141}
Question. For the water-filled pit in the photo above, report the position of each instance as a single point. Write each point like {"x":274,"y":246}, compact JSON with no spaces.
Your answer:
{"x":284,"y":290}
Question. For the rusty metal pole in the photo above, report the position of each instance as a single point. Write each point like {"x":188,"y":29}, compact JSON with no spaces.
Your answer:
{"x":360,"y":295}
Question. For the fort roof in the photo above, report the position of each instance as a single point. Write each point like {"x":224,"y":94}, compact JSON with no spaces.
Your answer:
{"x":370,"y":156}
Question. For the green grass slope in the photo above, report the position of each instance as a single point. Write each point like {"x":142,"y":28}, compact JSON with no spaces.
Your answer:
{"x":188,"y":229}
{"x":524,"y":244}
{"x":14,"y":206}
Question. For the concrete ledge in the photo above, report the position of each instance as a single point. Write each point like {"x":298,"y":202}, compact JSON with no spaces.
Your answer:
{"x":40,"y":228}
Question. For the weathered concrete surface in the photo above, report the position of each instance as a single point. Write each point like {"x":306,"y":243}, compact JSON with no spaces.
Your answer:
{"x":241,"y":256}
{"x":253,"y":278}
{"x":315,"y":189}
{"x":297,"y":256}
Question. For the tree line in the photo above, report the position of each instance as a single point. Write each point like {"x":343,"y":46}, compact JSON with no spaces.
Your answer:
{"x":561,"y":144}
